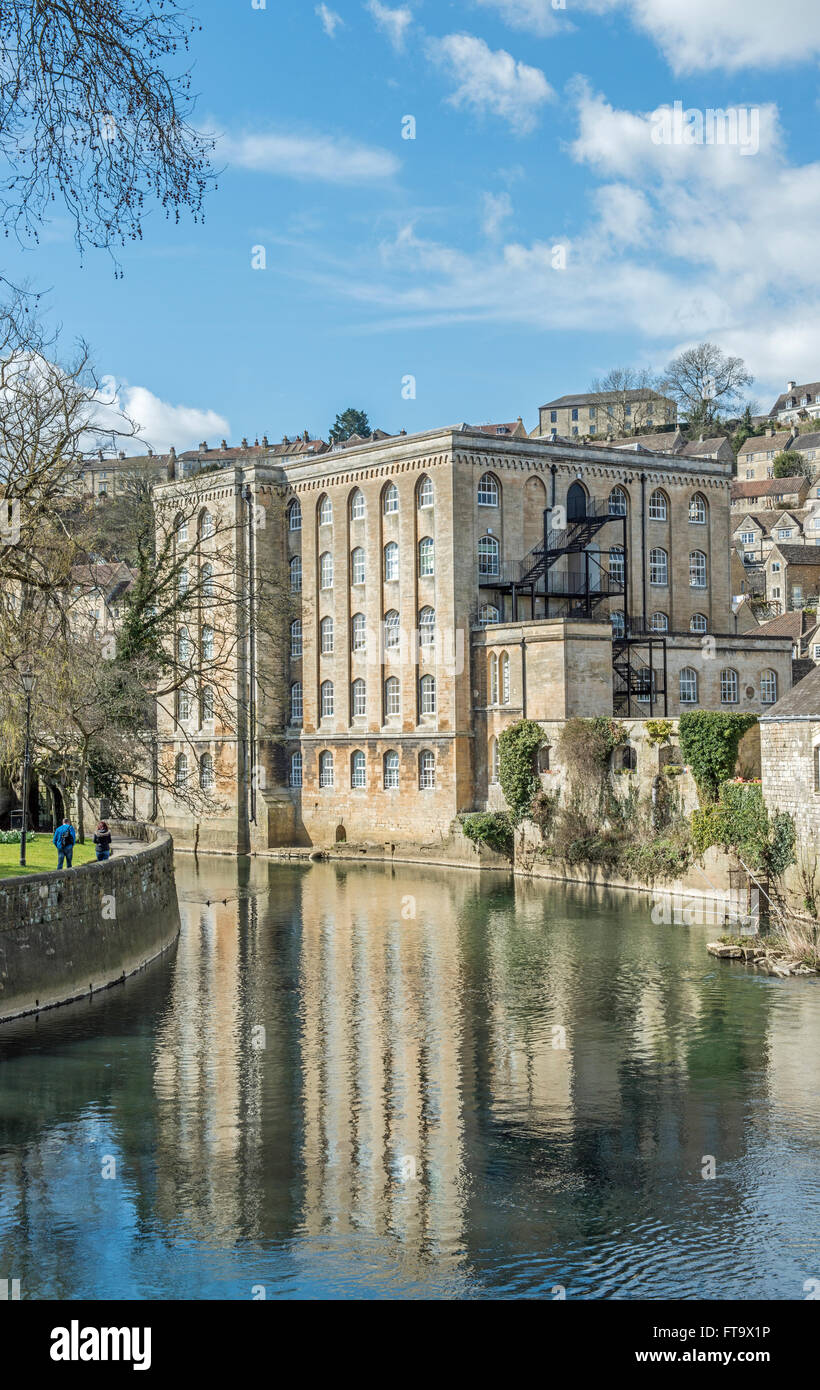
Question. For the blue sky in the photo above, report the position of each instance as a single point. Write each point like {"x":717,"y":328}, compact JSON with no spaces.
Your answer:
{"x":435,"y":257}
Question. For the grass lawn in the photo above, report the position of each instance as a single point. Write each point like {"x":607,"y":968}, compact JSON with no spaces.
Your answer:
{"x":40,"y":855}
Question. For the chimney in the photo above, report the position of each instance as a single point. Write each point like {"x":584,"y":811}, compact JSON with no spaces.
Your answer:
{"x":171,"y":467}
{"x":244,"y":443}
{"x":121,"y":454}
{"x":306,"y":436}
{"x":223,"y":443}
{"x":172,"y":453}
{"x":790,"y":385}
{"x":285,"y":439}
{"x":256,"y":442}
{"x":701,"y":437}
{"x":265,"y":444}
{"x":203,"y":448}
{"x":770,"y":431}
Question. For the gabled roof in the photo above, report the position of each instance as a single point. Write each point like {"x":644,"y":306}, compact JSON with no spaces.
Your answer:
{"x":514,"y":428}
{"x":797,"y":554}
{"x":796,"y":624}
{"x":769,"y":487}
{"x":801,"y":702}
{"x":642,"y":393}
{"x":803,"y":442}
{"x":700,"y":448}
{"x":764,"y":443}
{"x":784,"y":400}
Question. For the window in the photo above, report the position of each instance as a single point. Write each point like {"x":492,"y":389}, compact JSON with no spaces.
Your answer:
{"x":357,"y":508}
{"x":775,"y":566}
{"x":295,"y":778}
{"x":295,"y":524}
{"x":427,"y":771}
{"x":325,"y":769}
{"x":427,"y":627}
{"x":325,"y":512}
{"x":617,"y":567}
{"x":553,"y":417}
{"x":783,"y":533}
{"x":326,"y":636}
{"x":488,"y":555}
{"x":391,"y":499}
{"x":629,"y":758}
{"x":575,"y":413}
{"x":296,"y":702}
{"x":326,"y":699}
{"x":768,"y":687}
{"x":487,"y":491}
{"x":391,"y":562}
{"x":358,"y":701}
{"x":493,"y":761}
{"x":697,"y":509}
{"x":206,"y":525}
{"x":392,"y":631}
{"x":427,"y":695}
{"x":646,"y":685}
{"x":658,"y":566}
{"x":728,"y":687}
{"x":183,"y":583}
{"x":392,"y":696}
{"x":183,"y":646}
{"x":183,"y":704}
{"x":207,"y":703}
{"x":816,"y":651}
{"x":296,"y":575}
{"x":618,"y":622}
{"x":326,"y":570}
{"x":359,"y":632}
{"x":493,"y":679}
{"x":487,"y":613}
{"x":617,"y":502}
{"x":182,"y":530}
{"x":797,"y":596}
{"x":357,"y":569}
{"x":659,"y":622}
{"x":658,"y":506}
{"x":505,"y":678}
{"x":697,"y":569}
{"x":181,"y":770}
{"x":358,"y":769}
{"x":747,"y":537}
{"x":207,"y":644}
{"x":698,"y":623}
{"x":391,"y":770}
{"x":206,"y":576}
{"x":296,"y":639}
{"x":775,"y":593}
{"x":817,"y":768}
{"x":425,"y":495}
{"x":426,"y":557}
{"x":206,"y":772}
{"x":688,"y":686}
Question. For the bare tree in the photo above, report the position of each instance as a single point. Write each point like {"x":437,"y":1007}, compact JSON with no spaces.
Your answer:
{"x":706,"y":383}
{"x":632,"y":399}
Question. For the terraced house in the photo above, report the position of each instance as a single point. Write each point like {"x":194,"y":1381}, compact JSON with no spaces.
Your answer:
{"x":394,"y":604}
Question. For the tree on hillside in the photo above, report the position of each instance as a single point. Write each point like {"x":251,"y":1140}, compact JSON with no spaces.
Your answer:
{"x":790,"y":463}
{"x":624,"y":414}
{"x":351,"y":421}
{"x":706,"y":383}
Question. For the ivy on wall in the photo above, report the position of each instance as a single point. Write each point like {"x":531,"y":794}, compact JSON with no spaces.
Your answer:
{"x":517,"y":749}
{"x":739,"y":820}
{"x":709,"y":740}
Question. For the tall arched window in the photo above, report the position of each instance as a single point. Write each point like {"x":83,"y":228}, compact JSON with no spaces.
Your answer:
{"x":659,"y":622}
{"x":206,"y":525}
{"x":326,"y":570}
{"x":658,"y":505}
{"x":326,"y":700}
{"x":206,"y":579}
{"x":617,"y":565}
{"x":488,"y":555}
{"x":493,"y":761}
{"x":427,"y":695}
{"x":391,"y":561}
{"x":294,"y":518}
{"x":358,"y":699}
{"x":325,"y":511}
{"x":697,"y":509}
{"x":425,"y":493}
{"x":768,"y":687}
{"x":728,"y":687}
{"x":181,"y":530}
{"x":487,"y":613}
{"x":207,"y":643}
{"x":427,"y":627}
{"x":658,"y":566}
{"x":427,"y":562}
{"x":358,"y":770}
{"x":206,"y":702}
{"x":493,"y":678}
{"x":181,"y":770}
{"x":183,"y":705}
{"x":296,"y":575}
{"x":392,"y":631}
{"x":392,"y":697}
{"x":504,"y":664}
{"x":487,"y":491}
{"x":295,"y":778}
{"x":357,"y":507}
{"x":427,"y":771}
{"x":326,"y":769}
{"x":183,"y":646}
{"x":688,"y":686}
{"x":391,"y":770}
{"x":183,"y":583}
{"x":697,"y":569}
{"x":359,"y":632}
{"x":698,"y":622}
{"x":296,"y":702}
{"x":206,"y":772}
{"x":326,"y":636}
{"x":296,"y":639}
{"x":391,"y":499}
{"x":357,"y":565}
{"x":618,"y":622}
{"x":617,"y":502}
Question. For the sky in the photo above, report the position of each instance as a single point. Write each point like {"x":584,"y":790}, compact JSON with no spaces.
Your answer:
{"x":547,"y":221}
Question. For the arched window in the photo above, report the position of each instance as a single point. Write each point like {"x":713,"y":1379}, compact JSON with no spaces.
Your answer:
{"x":493,"y":761}
{"x":206,"y":772}
{"x":392,"y":697}
{"x":325,"y":511}
{"x":206,"y":525}
{"x":358,"y":699}
{"x":181,"y":770}
{"x":629,"y":758}
{"x":359,"y":632}
{"x":392,"y":631}
{"x":206,"y":578}
{"x":427,"y":562}
{"x":617,"y":565}
{"x":577,"y":500}
{"x":326,"y":636}
{"x":183,"y":704}
{"x":357,"y":507}
{"x":326,"y":570}
{"x":183,"y":646}
{"x":326,"y":700}
{"x":296,"y":702}
{"x":487,"y":491}
{"x":207,"y":703}
{"x":488,"y":613}
{"x":183,"y":583}
{"x":427,"y":771}
{"x":688,"y":686}
{"x":488,"y":555}
{"x":697,"y":569}
{"x":493,"y":678}
{"x":728,"y":687}
{"x":658,"y":505}
{"x":504,"y":665}
{"x":357,"y":565}
{"x":391,"y":561}
{"x":294,"y":524}
{"x":768,"y":687}
{"x":358,"y":770}
{"x":617,"y":502}
{"x":658,"y":566}
{"x":659,"y":622}
{"x":296,"y":575}
{"x":326,"y":769}
{"x":425,"y":493}
{"x":427,"y":627}
{"x":391,"y":499}
{"x":391,"y":771}
{"x":618,"y":622}
{"x":698,"y":623}
{"x":427,"y":695}
{"x":207,"y":643}
{"x":296,"y":638}
{"x":697,"y":509}
{"x":181,"y":530}
{"x":295,"y":778}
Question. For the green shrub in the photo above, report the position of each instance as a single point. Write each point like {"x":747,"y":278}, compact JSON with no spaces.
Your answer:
{"x":658,"y":730}
{"x":517,"y":748}
{"x":491,"y":828}
{"x":740,"y":821}
{"x":544,"y":809}
{"x":709,"y":741}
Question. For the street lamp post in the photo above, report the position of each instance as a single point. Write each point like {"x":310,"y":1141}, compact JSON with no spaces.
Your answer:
{"x":27,"y":680}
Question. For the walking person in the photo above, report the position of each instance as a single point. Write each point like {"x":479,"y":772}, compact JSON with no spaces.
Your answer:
{"x":102,"y":841}
{"x":65,"y":837}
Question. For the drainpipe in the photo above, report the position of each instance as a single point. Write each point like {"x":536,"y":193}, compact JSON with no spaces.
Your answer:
{"x":248,"y":496}
{"x":523,"y":678}
{"x":643,"y":546}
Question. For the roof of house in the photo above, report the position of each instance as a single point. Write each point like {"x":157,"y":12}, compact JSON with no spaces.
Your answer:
{"x":642,"y":393}
{"x":784,"y":400}
{"x":103,"y":576}
{"x":801,"y":442}
{"x":769,"y":487}
{"x":801,"y":702}
{"x":764,"y":443}
{"x":701,"y":448}
{"x":515,"y":427}
{"x":797,"y":554}
{"x":660,"y":442}
{"x":795,"y":624}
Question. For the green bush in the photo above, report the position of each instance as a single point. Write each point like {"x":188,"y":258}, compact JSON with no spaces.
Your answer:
{"x":491,"y":828}
{"x":658,"y":730}
{"x":740,"y":821}
{"x":517,"y":748}
{"x":709,"y":740}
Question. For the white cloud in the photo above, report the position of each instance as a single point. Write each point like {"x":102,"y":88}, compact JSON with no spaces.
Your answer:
{"x":496,"y":210}
{"x":489,"y":80}
{"x":393,"y":23}
{"x":160,"y":424}
{"x":323,"y":158}
{"x":534,"y":16}
{"x":331,"y":21}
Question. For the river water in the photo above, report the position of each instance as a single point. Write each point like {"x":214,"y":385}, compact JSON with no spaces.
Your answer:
{"x":351,"y":1081}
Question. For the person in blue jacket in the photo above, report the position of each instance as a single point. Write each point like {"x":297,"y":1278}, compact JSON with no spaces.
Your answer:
{"x":64,"y":838}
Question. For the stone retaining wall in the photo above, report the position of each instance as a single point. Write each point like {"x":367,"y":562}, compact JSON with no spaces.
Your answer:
{"x":67,"y":934}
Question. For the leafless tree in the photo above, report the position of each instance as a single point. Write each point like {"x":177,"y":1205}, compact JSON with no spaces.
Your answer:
{"x":706,"y":383}
{"x":632,"y":393}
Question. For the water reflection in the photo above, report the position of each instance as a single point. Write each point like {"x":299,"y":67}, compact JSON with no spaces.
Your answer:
{"x":360,"y":1081}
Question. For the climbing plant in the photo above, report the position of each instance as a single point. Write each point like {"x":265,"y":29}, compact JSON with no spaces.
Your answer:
{"x":709,"y":741}
{"x":517,"y":748}
{"x":740,"y":820}
{"x":658,"y":730}
{"x":491,"y":828}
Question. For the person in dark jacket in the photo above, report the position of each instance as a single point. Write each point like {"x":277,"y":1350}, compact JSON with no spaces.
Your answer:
{"x":64,"y":839}
{"x":102,"y":841}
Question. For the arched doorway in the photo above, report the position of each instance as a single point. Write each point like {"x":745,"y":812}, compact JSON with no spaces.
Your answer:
{"x":576,"y":502}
